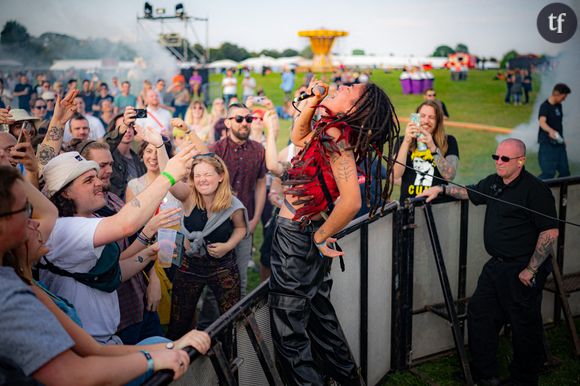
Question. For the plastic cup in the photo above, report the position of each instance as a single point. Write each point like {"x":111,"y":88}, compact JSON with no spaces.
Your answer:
{"x":170,"y":204}
{"x":166,"y":239}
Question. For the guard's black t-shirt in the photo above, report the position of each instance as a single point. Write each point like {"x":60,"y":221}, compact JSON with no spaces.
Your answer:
{"x":553,"y":114}
{"x":510,"y":232}
{"x":424,"y":173}
{"x":197,"y":220}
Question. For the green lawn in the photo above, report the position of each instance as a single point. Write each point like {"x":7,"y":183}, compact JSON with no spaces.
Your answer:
{"x":477,"y":100}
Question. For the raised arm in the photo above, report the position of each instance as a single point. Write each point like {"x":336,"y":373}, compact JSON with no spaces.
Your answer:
{"x":44,"y":210}
{"x":136,"y":212}
{"x":272,"y":125}
{"x":63,"y":111}
{"x":301,"y":128}
{"x":349,"y":203}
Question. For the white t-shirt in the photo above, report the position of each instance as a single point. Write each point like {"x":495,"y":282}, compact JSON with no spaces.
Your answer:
{"x":161,"y":122}
{"x":71,"y":248}
{"x":230,"y":85}
{"x":249,"y":86}
{"x":97,"y":130}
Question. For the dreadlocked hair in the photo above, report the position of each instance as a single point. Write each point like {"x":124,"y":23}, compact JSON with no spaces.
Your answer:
{"x":375,"y":128}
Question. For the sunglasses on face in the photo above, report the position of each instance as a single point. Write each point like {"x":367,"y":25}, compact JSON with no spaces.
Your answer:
{"x":430,"y":95}
{"x":43,"y":107}
{"x":504,"y":158}
{"x":240,"y":119}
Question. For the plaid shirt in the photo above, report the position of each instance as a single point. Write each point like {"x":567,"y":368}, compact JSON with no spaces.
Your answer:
{"x":131,"y":293}
{"x":246,"y":165}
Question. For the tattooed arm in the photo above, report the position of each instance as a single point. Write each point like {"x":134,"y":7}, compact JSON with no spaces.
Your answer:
{"x":50,"y":147}
{"x":447,"y":166}
{"x":349,"y":203}
{"x":140,"y":209}
{"x":452,"y":191}
{"x":544,"y":247}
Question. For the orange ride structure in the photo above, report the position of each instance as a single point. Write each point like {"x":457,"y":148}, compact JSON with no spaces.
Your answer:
{"x":321,"y":41}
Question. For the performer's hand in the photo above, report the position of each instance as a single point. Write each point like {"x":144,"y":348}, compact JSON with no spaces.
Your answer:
{"x":527,"y":278}
{"x":325,"y":250}
{"x":313,"y":88}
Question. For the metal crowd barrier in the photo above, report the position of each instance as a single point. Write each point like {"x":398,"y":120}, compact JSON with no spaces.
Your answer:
{"x":389,"y":299}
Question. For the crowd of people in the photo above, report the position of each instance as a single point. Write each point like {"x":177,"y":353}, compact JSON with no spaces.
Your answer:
{"x":92,"y":176}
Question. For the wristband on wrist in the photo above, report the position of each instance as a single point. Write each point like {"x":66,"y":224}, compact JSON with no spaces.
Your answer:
{"x":150,"y":364}
{"x":169,"y":177}
{"x":443,"y":190}
{"x":160,"y":146}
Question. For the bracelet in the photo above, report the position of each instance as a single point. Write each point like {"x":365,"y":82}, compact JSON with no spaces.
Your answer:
{"x":531,"y":270}
{"x":169,"y":177}
{"x":320,"y":244}
{"x":443,"y":190}
{"x":150,"y":364}
{"x":160,"y":146}
{"x":144,"y":239}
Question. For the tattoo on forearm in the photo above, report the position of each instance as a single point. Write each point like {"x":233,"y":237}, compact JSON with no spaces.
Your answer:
{"x":447,"y":166}
{"x":544,"y":247}
{"x":45,"y":153}
{"x":456,"y":192}
{"x":135,"y":202}
{"x":54,"y":133}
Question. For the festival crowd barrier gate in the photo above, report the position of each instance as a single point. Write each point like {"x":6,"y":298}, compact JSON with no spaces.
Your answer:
{"x":389,"y":299}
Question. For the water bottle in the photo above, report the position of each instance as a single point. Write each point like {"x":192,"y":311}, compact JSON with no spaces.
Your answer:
{"x":559,"y":140}
{"x":416,"y":118}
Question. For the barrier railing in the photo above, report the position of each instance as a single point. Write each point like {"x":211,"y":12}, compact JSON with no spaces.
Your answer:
{"x":383,"y":297}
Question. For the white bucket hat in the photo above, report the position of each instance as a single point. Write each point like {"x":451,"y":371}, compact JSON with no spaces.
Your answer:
{"x":63,"y":169}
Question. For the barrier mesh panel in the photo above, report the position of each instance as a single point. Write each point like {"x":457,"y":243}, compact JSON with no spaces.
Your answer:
{"x":200,"y":373}
{"x":250,"y":371}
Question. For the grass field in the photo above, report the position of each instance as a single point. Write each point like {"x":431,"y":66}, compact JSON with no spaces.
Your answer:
{"x":477,"y":100}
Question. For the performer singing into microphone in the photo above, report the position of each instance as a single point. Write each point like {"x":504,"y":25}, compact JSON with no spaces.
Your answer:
{"x":322,"y":197}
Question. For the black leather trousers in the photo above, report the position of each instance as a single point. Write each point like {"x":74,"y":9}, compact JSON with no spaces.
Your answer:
{"x":307,"y":336}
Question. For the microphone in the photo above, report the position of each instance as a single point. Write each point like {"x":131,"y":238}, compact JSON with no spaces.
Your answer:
{"x":305,"y":95}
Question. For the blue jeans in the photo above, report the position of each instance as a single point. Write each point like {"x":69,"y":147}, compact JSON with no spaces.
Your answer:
{"x":552,"y":158}
{"x":149,"y":327}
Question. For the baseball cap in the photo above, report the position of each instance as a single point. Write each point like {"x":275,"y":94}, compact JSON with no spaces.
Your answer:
{"x":63,"y":169}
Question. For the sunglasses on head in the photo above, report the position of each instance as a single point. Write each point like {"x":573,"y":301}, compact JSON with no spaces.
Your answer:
{"x":504,"y":158}
{"x":240,"y":119}
{"x":203,"y":155}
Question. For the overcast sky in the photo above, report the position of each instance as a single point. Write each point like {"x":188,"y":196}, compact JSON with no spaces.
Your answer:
{"x":488,"y":27}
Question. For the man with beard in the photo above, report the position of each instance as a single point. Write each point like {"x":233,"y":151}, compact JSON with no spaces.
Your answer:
{"x":246,"y":164}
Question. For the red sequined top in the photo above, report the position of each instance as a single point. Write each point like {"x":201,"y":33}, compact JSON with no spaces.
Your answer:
{"x":310,"y":178}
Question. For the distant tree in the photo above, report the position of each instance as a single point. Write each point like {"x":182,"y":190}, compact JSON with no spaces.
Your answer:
{"x":271,"y":53}
{"x":442,"y":51}
{"x":233,"y":52}
{"x":306,"y":52}
{"x":14,"y":32}
{"x":288,"y":52}
{"x":461,"y":48}
{"x":358,"y":52}
{"x":507,"y":57}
